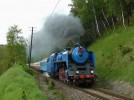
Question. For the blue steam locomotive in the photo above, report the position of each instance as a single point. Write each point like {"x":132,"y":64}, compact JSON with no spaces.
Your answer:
{"x":76,"y":65}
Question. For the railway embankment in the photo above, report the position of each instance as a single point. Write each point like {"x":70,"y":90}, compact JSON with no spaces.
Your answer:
{"x":49,"y":88}
{"x":16,"y":84}
{"x":115,"y":60}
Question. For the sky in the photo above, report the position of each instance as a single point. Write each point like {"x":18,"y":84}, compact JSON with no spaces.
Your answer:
{"x":27,"y":14}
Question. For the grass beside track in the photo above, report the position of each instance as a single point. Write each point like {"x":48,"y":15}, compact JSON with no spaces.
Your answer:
{"x":115,"y":55}
{"x":16,"y":84}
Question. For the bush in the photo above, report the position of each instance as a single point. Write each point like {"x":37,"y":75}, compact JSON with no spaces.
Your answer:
{"x":51,"y":85}
{"x":29,"y":70}
{"x":125,"y":49}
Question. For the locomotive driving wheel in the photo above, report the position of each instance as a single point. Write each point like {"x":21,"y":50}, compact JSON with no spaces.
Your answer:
{"x":62,"y":74}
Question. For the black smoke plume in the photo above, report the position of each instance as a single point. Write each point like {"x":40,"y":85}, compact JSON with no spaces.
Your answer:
{"x":56,"y":32}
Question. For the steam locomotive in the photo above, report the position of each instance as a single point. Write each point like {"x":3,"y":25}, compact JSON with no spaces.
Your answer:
{"x":76,"y":65}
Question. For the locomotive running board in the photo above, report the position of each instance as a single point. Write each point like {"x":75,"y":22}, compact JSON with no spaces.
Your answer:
{"x":59,"y":62}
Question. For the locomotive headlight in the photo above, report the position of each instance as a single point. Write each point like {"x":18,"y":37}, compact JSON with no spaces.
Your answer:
{"x":77,"y":72}
{"x":92,"y":71}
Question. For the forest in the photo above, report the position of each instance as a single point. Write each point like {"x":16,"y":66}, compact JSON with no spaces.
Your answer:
{"x":102,"y":16}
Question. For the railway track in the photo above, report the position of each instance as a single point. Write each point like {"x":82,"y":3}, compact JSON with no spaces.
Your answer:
{"x":96,"y":93}
{"x":111,"y":94}
{"x":107,"y":95}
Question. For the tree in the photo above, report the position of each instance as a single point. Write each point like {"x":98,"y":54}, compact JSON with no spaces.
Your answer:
{"x":2,"y":55}
{"x":15,"y":47}
{"x":120,"y":9}
{"x":99,"y":15}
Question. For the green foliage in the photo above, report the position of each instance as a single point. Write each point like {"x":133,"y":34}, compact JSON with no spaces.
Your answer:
{"x":105,"y":12}
{"x":29,"y":70}
{"x":87,"y":39}
{"x":115,"y":55}
{"x":2,"y":48}
{"x":16,"y":84}
{"x":125,"y":49}
{"x":14,"y":52}
{"x":15,"y":47}
{"x":51,"y":85}
{"x":2,"y":59}
{"x":112,"y":6}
